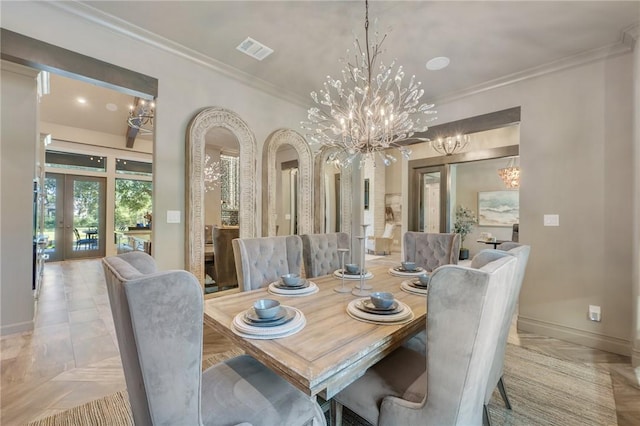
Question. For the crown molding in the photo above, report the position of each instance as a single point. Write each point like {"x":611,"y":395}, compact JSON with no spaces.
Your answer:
{"x":625,"y":44}
{"x":127,"y":29}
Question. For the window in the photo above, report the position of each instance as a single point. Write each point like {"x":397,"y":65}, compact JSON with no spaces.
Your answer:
{"x":131,"y":167}
{"x":68,"y":160}
{"x":133,"y":203}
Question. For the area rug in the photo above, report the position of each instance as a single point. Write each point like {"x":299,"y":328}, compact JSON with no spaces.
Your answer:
{"x":542,"y":391}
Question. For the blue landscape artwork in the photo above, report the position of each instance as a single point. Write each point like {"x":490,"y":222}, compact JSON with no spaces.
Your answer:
{"x":498,"y":208}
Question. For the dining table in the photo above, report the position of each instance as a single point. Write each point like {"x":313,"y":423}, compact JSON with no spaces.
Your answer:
{"x":333,"y":349}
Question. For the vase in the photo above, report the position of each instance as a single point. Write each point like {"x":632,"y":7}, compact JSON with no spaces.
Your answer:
{"x":464,"y":254}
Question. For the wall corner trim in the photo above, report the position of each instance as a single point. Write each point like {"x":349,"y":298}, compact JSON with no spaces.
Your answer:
{"x":573,"y":335}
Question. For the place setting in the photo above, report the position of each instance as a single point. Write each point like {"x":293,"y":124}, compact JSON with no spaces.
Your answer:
{"x":380,"y":308}
{"x":268,"y":319}
{"x":352,"y":272}
{"x":292,"y":285}
{"x":419,"y":285}
{"x":407,"y":269}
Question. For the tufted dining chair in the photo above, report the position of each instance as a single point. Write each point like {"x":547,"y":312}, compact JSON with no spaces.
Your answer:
{"x":261,"y":261}
{"x":521,"y":253}
{"x":430,"y":250}
{"x":383,"y":243}
{"x":465,"y":310}
{"x":158,"y":317}
{"x":320,"y":252}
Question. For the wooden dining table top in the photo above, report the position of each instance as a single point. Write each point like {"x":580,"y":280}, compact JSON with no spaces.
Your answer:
{"x":333,"y":349}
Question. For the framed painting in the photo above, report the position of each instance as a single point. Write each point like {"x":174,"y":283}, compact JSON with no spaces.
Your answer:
{"x":498,"y":208}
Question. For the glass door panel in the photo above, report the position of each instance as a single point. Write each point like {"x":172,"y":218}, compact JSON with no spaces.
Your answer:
{"x":430,"y":221}
{"x":74,"y":216}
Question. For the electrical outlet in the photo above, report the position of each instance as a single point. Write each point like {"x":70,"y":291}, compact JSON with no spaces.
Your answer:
{"x":595,"y":313}
{"x":551,"y":220}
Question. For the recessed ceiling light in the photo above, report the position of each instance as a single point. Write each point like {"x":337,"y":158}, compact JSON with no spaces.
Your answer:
{"x":81,"y":100}
{"x":111,"y":107}
{"x":437,"y":63}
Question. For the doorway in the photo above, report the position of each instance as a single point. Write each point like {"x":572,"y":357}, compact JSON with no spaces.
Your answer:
{"x":74,"y":210}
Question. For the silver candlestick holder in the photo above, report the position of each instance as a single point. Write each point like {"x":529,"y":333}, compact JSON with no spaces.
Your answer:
{"x":361,"y":290}
{"x":342,"y":288}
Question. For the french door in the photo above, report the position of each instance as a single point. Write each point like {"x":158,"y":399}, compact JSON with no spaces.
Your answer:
{"x":74,"y":216}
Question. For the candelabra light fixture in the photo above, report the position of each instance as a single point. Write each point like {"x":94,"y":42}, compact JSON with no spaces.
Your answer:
{"x":510,"y":175}
{"x":368,"y":110}
{"x":212,"y":173}
{"x":451,"y":144}
{"x":141,"y":116}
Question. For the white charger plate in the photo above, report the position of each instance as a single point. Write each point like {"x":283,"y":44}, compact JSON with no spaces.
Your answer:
{"x":338,"y":274}
{"x":406,"y":286}
{"x":396,"y":273}
{"x":404,"y":315}
{"x":305,"y":291}
{"x":240,"y":327}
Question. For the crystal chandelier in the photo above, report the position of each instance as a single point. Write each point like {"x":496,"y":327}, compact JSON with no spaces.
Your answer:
{"x":451,"y":144}
{"x":212,"y":173}
{"x":368,"y":110}
{"x":141,"y":116}
{"x":510,"y":175}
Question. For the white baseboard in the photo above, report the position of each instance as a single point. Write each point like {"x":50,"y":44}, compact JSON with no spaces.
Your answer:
{"x":573,"y":335}
{"x":20,"y":327}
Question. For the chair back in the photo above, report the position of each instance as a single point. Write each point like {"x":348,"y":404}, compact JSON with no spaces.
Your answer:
{"x":158,"y":323}
{"x":260,"y":261}
{"x":465,"y":308}
{"x":431,"y":250}
{"x":320,"y":252}
{"x":521,"y":253}
{"x":76,"y":233}
{"x":224,"y":263}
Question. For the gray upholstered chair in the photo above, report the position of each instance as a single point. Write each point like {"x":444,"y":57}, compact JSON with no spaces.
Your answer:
{"x":465,"y":310}
{"x":224,"y":263}
{"x":158,"y":321}
{"x":260,"y":261}
{"x":521,"y":252}
{"x":383,"y":243}
{"x":431,"y":250}
{"x":320,"y":252}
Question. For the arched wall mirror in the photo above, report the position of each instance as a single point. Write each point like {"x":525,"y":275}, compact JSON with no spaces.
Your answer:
{"x":287,"y":174}
{"x":224,"y":130}
{"x":332,"y":197}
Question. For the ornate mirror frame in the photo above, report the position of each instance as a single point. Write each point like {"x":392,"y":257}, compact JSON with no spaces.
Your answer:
{"x":345,"y":192}
{"x":305,"y":175}
{"x":197,"y":129}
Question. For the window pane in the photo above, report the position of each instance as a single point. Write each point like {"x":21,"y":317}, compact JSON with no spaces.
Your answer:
{"x":133,"y":167}
{"x":133,"y":204}
{"x":68,"y":160}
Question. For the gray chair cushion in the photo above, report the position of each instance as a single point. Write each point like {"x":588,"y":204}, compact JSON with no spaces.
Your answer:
{"x":320,"y":252}
{"x":243,"y":390}
{"x":431,"y":250}
{"x":260,"y":261}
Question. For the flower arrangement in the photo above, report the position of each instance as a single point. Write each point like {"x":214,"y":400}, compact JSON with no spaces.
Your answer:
{"x":465,"y":220}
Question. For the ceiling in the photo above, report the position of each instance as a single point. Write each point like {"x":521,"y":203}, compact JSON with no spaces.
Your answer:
{"x":486,"y":41}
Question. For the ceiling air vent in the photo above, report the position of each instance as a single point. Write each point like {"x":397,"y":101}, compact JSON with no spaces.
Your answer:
{"x":254,"y":49}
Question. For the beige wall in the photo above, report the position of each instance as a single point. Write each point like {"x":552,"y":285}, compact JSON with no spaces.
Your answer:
{"x":185,"y":88}
{"x":17,"y":170}
{"x":575,"y":155}
{"x":635,"y":300}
